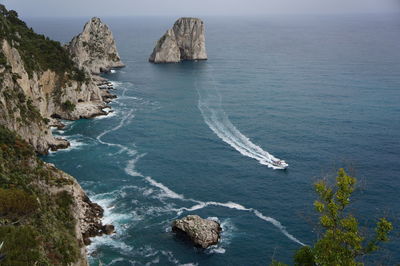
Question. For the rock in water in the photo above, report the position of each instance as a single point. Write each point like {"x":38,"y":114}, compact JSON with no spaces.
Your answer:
{"x":202,"y":232}
{"x":185,"y":41}
{"x":94,"y":48}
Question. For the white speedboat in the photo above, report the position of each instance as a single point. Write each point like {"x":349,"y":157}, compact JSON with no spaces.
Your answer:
{"x":280,"y":164}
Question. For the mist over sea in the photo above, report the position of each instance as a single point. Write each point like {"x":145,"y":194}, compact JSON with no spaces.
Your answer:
{"x":318,"y":92}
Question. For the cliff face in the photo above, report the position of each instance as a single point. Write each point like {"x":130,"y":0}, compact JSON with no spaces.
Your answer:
{"x":39,"y":81}
{"x":185,"y":41}
{"x":94,"y":48}
{"x":44,"y":94}
{"x":44,"y":212}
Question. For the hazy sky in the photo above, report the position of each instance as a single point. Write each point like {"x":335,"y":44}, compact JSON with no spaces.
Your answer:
{"x":68,"y":8}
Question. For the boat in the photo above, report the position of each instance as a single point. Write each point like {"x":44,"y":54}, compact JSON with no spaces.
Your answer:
{"x":280,"y":164}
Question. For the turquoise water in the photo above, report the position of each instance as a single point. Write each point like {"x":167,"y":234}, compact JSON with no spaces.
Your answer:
{"x":317,"y":92}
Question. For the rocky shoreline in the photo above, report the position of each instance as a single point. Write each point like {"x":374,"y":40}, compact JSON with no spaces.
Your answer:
{"x":37,"y":94}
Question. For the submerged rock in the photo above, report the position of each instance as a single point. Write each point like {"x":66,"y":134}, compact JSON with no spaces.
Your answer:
{"x":202,"y":232}
{"x":185,"y":41}
{"x":94,"y":48}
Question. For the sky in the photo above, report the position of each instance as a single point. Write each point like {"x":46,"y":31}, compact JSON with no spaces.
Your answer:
{"x":80,"y":8}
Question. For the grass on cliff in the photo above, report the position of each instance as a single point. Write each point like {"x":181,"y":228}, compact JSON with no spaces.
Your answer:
{"x":38,"y":52}
{"x":37,"y":227}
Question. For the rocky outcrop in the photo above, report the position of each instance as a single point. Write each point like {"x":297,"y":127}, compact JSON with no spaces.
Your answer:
{"x":202,"y":232}
{"x":185,"y":41}
{"x":29,"y":101}
{"x":87,"y":214}
{"x":94,"y":49}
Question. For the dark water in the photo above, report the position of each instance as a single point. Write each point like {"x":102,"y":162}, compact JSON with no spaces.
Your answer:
{"x":318,"y":92}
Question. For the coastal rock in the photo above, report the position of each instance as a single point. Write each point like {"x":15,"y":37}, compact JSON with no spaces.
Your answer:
{"x":185,"y":41}
{"x":88,"y":215}
{"x":94,"y":49}
{"x":28,"y":102}
{"x":202,"y":232}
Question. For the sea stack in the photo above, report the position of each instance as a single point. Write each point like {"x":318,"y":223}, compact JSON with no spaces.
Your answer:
{"x":94,"y":49}
{"x":185,"y":41}
{"x":202,"y":232}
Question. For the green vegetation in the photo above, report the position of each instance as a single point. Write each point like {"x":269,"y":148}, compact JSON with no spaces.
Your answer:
{"x":17,"y":101}
{"x":37,"y":227}
{"x":3,"y":60}
{"x":68,"y":106}
{"x":38,"y":52}
{"x":341,"y":242}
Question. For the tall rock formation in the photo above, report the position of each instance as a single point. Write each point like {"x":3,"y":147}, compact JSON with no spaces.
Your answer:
{"x":39,"y":81}
{"x":94,"y":48}
{"x":185,"y":41}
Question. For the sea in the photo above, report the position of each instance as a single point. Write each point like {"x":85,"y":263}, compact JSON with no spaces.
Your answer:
{"x":320,"y":92}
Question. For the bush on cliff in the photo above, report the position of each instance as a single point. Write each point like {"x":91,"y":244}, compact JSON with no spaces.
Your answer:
{"x":38,"y":52}
{"x":37,"y":227}
{"x":68,"y":106}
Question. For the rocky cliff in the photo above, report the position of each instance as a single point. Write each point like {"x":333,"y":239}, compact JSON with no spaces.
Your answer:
{"x":185,"y":41}
{"x":44,"y":213}
{"x":40,"y":82}
{"x":94,"y":49}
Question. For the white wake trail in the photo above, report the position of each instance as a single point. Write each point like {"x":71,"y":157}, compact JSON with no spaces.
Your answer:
{"x":167,"y":192}
{"x":219,"y":122}
{"x":215,"y":117}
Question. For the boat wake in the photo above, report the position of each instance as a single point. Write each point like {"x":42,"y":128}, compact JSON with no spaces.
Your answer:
{"x":215,"y":117}
{"x":168,"y":193}
{"x":173,"y":204}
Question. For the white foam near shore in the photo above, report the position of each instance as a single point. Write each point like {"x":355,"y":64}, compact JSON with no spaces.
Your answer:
{"x":123,"y":121}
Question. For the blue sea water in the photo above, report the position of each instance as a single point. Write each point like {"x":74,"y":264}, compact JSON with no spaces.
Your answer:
{"x":318,"y":92}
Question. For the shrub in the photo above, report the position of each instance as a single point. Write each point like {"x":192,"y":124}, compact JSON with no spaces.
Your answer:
{"x":68,"y":106}
{"x":16,"y":204}
{"x":38,"y":52}
{"x":21,"y":246}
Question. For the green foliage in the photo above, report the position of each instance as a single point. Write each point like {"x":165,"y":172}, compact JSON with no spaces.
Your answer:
{"x":341,"y":242}
{"x":21,"y":246}
{"x":277,"y":263}
{"x":68,"y":106}
{"x":304,"y":257}
{"x":37,"y":227}
{"x":3,"y":60}
{"x":16,"y":204}
{"x":18,"y":102}
{"x":79,"y":75}
{"x":38,"y":52}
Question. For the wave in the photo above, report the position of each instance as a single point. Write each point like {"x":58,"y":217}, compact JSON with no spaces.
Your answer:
{"x":122,"y":148}
{"x":220,"y":124}
{"x":76,"y":142}
{"x":215,"y":117}
{"x":167,"y":192}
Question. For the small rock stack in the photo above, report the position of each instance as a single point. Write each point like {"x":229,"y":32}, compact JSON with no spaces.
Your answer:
{"x":202,"y":232}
